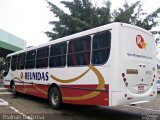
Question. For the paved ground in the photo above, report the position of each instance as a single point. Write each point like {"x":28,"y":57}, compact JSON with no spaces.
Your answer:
{"x":28,"y":107}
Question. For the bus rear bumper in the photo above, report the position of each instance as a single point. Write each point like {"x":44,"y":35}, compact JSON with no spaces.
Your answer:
{"x":127,"y":97}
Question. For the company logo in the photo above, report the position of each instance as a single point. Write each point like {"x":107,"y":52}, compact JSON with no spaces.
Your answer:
{"x":43,"y":76}
{"x":140,"y":42}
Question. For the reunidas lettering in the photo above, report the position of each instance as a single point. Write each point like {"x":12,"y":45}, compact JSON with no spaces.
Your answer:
{"x":36,"y":76}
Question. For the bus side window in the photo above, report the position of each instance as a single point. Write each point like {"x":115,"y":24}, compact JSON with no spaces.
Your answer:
{"x":14,"y":63}
{"x":79,"y":51}
{"x":58,"y":55}
{"x":30,"y":59}
{"x":42,"y":57}
{"x":21,"y":61}
{"x":101,"y":47}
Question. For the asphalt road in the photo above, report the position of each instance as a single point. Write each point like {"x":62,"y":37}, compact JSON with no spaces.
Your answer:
{"x":29,"y":107}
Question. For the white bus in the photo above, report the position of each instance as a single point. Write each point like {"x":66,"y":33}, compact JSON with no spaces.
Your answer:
{"x":110,"y":65}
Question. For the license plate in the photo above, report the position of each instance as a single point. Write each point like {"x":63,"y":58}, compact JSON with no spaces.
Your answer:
{"x":140,"y":87}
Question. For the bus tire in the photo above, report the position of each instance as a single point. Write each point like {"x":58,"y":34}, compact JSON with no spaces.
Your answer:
{"x":55,"y":98}
{"x":14,"y":92}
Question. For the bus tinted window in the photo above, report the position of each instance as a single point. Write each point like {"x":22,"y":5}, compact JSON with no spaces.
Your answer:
{"x":79,"y":51}
{"x":101,"y":47}
{"x":58,"y":55}
{"x":42,"y":57}
{"x":30,"y":59}
{"x":14,"y":62}
{"x":21,"y":61}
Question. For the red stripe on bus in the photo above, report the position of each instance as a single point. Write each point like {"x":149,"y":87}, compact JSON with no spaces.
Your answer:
{"x":68,"y":91}
{"x":35,"y":90}
{"x":72,"y":91}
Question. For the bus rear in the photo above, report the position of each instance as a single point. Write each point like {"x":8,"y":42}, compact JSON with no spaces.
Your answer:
{"x":137,"y":67}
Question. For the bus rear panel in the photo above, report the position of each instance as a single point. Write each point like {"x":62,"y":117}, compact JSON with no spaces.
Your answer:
{"x":137,"y":67}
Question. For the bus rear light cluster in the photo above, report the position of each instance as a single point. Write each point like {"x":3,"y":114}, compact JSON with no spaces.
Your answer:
{"x":123,"y":75}
{"x":124,"y":79}
{"x":126,"y":84}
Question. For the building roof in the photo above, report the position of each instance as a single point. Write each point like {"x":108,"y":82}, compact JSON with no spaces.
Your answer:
{"x":10,"y":43}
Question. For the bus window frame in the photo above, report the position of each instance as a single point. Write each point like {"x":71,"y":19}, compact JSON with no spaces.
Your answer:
{"x":80,"y":52}
{"x":14,"y":63}
{"x":66,"y":43}
{"x":104,"y":48}
{"x":21,"y":62}
{"x":26,"y":60}
{"x":41,"y":58}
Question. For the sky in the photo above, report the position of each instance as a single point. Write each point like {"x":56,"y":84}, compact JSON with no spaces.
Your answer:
{"x":28,"y":19}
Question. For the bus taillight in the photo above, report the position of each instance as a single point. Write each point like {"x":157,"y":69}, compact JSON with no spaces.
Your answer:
{"x":126,"y":84}
{"x":123,"y":75}
{"x":124,"y":79}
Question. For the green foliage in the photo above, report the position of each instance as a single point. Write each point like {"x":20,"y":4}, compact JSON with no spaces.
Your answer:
{"x":84,"y":15}
{"x":2,"y":65}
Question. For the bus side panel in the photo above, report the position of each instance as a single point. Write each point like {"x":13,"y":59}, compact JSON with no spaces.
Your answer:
{"x":6,"y":86}
{"x":77,"y":94}
{"x":34,"y":89}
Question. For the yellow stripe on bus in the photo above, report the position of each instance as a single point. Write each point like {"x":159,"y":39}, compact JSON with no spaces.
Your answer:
{"x":101,"y":84}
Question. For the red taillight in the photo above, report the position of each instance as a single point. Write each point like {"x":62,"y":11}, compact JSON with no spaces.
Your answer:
{"x":126,"y":84}
{"x":124,"y":79}
{"x":123,"y":75}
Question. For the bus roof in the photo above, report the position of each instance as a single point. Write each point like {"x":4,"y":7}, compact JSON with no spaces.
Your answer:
{"x":81,"y":34}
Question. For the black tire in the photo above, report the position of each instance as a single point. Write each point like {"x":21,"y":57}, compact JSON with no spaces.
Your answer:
{"x":14,"y":92}
{"x":55,"y":98}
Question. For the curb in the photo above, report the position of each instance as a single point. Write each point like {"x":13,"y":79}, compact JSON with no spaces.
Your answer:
{"x":2,"y":89}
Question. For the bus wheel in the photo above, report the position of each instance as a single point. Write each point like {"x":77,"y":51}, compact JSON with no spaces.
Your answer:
{"x":14,"y":92}
{"x":55,"y":98}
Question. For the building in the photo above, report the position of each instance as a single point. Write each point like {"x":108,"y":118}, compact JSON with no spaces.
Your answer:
{"x":10,"y":43}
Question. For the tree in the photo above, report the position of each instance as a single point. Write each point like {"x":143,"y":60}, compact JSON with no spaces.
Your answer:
{"x":84,"y":15}
{"x":2,"y":66}
{"x":135,"y":15}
